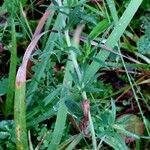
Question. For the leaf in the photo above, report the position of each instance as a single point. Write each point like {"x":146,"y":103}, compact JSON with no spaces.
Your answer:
{"x":74,"y":17}
{"x":42,"y":117}
{"x":98,"y":29}
{"x":106,"y":119}
{"x":147,"y":32}
{"x":75,"y":79}
{"x":89,"y":82}
{"x":75,"y":142}
{"x":92,"y":89}
{"x":113,"y":110}
{"x":114,"y":140}
{"x":72,"y":3}
{"x":111,"y":5}
{"x":23,"y":2}
{"x":65,"y":143}
{"x":12,"y":7}
{"x":48,"y":99}
{"x":6,"y":131}
{"x":62,"y":110}
{"x":5,"y":125}
{"x":55,"y":2}
{"x":74,"y":49}
{"x":74,"y":108}
{"x":3,"y":135}
{"x":143,"y":45}
{"x":101,"y":62}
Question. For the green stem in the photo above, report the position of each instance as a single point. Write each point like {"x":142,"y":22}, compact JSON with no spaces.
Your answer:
{"x":20,"y":118}
{"x":12,"y":72}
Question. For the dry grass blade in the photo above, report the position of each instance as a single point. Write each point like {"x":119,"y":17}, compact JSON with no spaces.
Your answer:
{"x":21,"y":74}
{"x":41,"y":23}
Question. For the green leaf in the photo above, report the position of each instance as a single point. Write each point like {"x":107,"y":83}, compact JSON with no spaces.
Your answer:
{"x":114,"y":140}
{"x":101,"y":62}
{"x":92,"y":89}
{"x":3,"y":135}
{"x":20,"y":117}
{"x":100,"y":27}
{"x":64,"y":144}
{"x":41,"y":117}
{"x":5,"y":125}
{"x":75,"y":142}
{"x":74,"y":17}
{"x":74,"y":108}
{"x":143,"y":45}
{"x":48,"y":99}
{"x":7,"y":132}
{"x":12,"y":71}
{"x":62,"y":110}
{"x":147,"y":32}
{"x":113,"y":110}
{"x":72,"y":3}
{"x":106,"y":119}
{"x":74,"y":49}
{"x":55,"y":2}
{"x":121,"y":129}
{"x":113,"y":11}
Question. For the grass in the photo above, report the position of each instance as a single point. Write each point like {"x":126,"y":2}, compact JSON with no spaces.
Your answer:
{"x":73,"y":80}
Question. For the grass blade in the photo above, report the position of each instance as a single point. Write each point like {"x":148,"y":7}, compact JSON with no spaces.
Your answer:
{"x":62,"y":110}
{"x":92,"y":132}
{"x":64,"y":144}
{"x":12,"y":72}
{"x":113,"y":11}
{"x":103,"y":25}
{"x":75,"y":142}
{"x":20,"y":118}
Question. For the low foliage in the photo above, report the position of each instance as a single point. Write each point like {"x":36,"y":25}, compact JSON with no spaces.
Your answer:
{"x":74,"y":74}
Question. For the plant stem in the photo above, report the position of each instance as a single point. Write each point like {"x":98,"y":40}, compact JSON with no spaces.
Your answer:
{"x":20,"y":118}
{"x":12,"y":72}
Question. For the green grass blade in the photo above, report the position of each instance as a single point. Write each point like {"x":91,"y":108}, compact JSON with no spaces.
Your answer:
{"x":12,"y":72}
{"x":62,"y":110}
{"x":100,"y":27}
{"x":113,"y":11}
{"x":114,"y":37}
{"x":24,"y":21}
{"x":50,"y":113}
{"x":64,"y":144}
{"x":94,"y":142}
{"x":75,"y":142}
{"x":59,"y":126}
{"x":20,"y":118}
